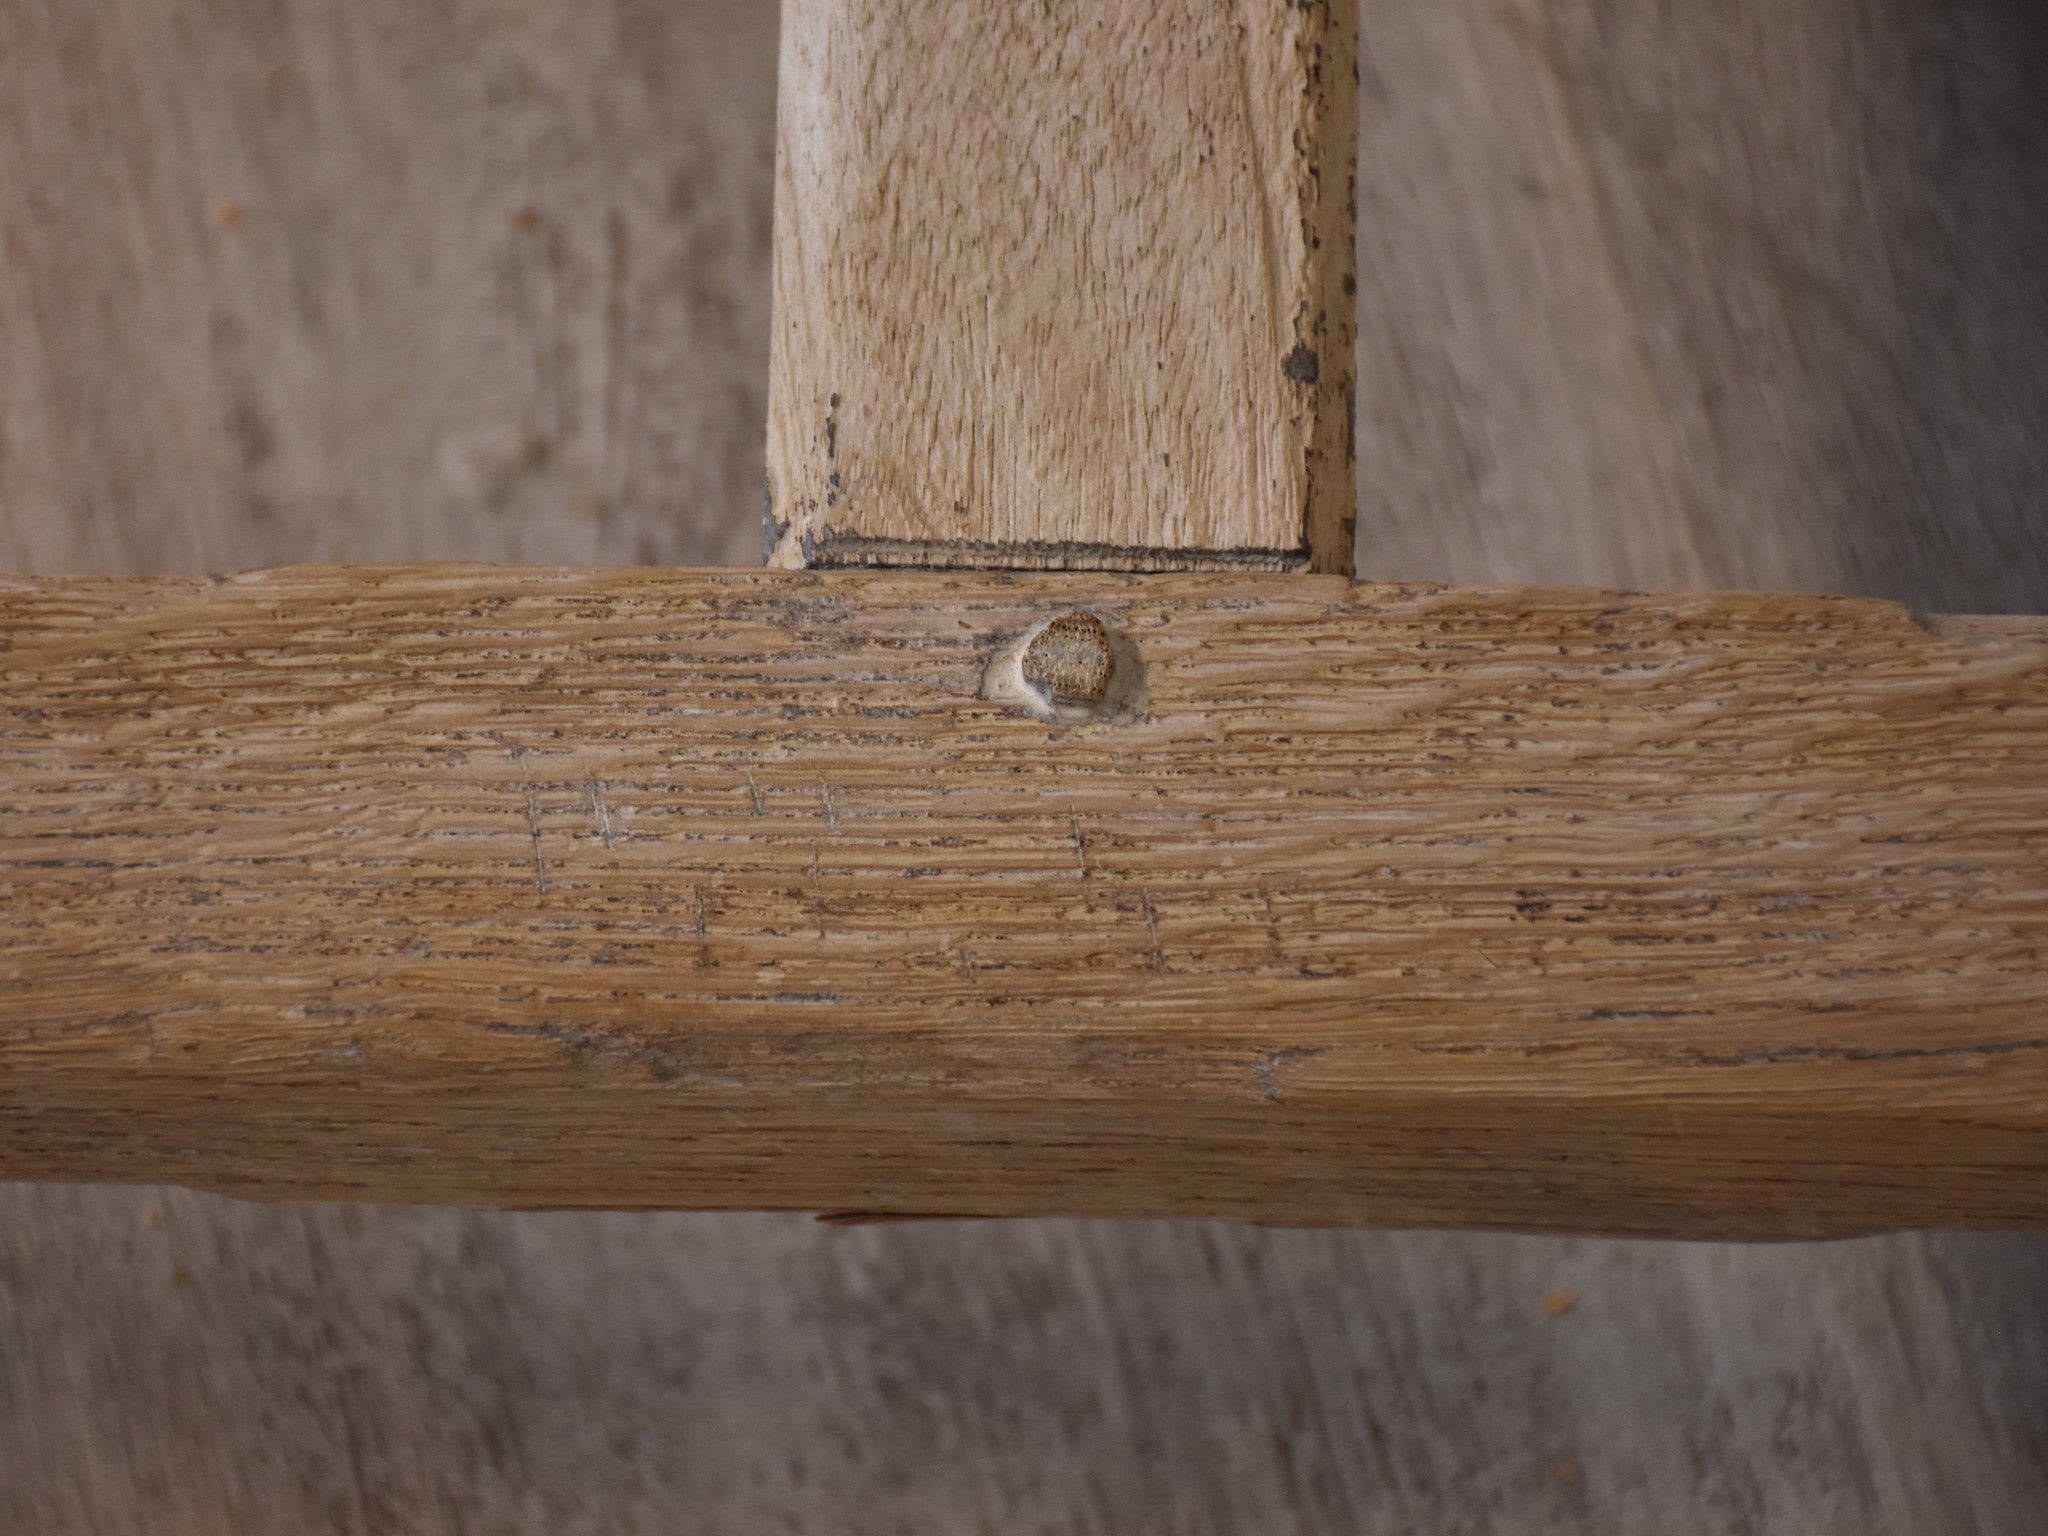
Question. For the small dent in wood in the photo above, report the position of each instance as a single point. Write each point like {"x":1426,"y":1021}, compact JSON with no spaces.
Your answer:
{"x":1071,"y":667}
{"x":1266,"y":1071}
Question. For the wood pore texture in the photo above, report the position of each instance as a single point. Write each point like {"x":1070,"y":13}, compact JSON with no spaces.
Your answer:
{"x":1582,"y":222}
{"x":1064,"y":286}
{"x":1711,"y":916}
{"x":378,"y":282}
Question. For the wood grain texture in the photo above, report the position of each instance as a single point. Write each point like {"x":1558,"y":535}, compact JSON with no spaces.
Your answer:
{"x":1724,"y":293}
{"x":1064,"y":286}
{"x":186,"y":1364}
{"x":174,"y":1363}
{"x":1709,"y":916}
{"x":374,"y":281}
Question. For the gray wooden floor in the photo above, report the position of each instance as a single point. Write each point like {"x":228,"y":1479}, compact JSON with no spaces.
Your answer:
{"x":1738,"y":292}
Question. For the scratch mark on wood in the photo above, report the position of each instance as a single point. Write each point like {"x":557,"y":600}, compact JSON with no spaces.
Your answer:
{"x":540,"y":863}
{"x":817,"y":892}
{"x":601,"y":813}
{"x":1266,"y":1071}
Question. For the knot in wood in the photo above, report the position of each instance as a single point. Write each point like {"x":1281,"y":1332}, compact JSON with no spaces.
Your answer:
{"x":1069,"y":661}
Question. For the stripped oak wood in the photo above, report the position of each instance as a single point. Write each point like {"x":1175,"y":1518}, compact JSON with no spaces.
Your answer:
{"x":1064,"y":286}
{"x":179,"y":1362}
{"x":1717,"y":915}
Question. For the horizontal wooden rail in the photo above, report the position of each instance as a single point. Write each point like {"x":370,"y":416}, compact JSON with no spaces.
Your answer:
{"x":1719,"y":915}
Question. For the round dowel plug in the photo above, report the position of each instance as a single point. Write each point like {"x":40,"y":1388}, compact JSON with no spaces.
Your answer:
{"x":1070,"y":660}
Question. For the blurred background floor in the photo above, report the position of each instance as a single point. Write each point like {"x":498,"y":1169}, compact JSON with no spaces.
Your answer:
{"x":1738,"y":292}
